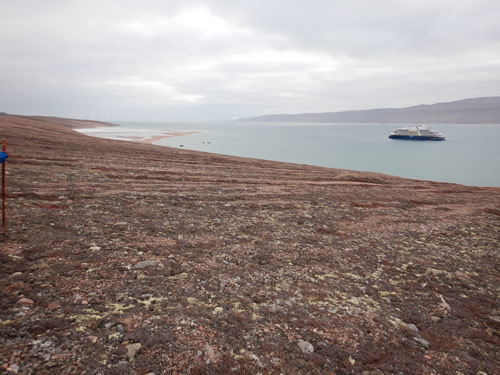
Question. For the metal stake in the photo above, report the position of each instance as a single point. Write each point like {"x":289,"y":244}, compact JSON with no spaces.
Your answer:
{"x":4,"y":148}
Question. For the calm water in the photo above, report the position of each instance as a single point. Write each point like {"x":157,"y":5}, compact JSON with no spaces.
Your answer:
{"x":470,"y":155}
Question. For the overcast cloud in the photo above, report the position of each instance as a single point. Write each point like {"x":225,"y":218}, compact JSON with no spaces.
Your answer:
{"x":220,"y":59}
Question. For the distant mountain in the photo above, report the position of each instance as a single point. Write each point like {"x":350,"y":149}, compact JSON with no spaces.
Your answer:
{"x":466,"y":111}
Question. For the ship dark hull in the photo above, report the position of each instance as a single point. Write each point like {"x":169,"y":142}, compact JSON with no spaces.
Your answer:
{"x":416,"y":137}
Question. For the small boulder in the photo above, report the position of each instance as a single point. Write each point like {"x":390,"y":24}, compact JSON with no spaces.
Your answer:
{"x":132,"y":350}
{"x":305,"y":347}
{"x":13,"y":368}
{"x":412,"y":327}
{"x":209,"y":353}
{"x":422,"y":342}
{"x":144,"y":264}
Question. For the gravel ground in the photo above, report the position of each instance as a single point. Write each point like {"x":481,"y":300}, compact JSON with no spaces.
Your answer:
{"x":125,"y":258}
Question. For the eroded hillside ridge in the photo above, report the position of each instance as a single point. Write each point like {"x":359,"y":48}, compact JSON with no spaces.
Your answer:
{"x":467,"y":111}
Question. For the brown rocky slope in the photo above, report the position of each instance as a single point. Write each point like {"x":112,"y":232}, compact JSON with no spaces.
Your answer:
{"x":129,"y":258}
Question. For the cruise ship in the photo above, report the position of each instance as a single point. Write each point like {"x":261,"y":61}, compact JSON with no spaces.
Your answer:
{"x":417,"y":133}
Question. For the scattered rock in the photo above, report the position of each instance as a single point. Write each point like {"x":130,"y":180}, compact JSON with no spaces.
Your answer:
{"x":123,"y":367}
{"x":13,"y":368}
{"x":413,"y":327}
{"x":144,"y":264}
{"x":132,"y":350}
{"x":119,"y":328}
{"x":95,"y":248}
{"x":46,"y":344}
{"x":255,"y":358}
{"x":305,"y":346}
{"x":422,"y":342}
{"x":209,"y":353}
{"x":25,"y":301}
{"x":322,"y":344}
{"x":443,"y":305}
{"x":16,"y":275}
{"x":54,"y":305}
{"x":275,"y":360}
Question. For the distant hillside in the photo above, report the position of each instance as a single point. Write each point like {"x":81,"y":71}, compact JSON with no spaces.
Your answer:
{"x":72,"y":123}
{"x":66,"y":122}
{"x":467,"y":111}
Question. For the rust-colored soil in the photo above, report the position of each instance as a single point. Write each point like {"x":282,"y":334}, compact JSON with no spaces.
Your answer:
{"x":125,"y":258}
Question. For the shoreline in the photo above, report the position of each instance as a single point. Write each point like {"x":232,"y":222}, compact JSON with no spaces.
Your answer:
{"x":443,"y":169}
{"x":155,"y":138}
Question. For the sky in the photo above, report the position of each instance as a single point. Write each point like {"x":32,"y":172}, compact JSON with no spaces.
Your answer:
{"x":170,"y":60}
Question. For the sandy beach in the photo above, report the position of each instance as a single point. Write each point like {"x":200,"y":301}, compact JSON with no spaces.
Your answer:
{"x":130,"y":258}
{"x":151,"y":140}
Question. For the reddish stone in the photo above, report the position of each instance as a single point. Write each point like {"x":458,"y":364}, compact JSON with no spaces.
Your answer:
{"x":54,"y":305}
{"x":25,"y":301}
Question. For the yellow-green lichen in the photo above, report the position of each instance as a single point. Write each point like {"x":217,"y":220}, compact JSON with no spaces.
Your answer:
{"x":183,"y":275}
{"x":84,"y":319}
{"x":115,"y":336}
{"x":196,"y":302}
{"x":118,"y":308}
{"x":236,"y":308}
{"x":256,"y":316}
{"x":325,"y":275}
{"x":149,"y":301}
{"x":6,"y":322}
{"x":218,"y":310}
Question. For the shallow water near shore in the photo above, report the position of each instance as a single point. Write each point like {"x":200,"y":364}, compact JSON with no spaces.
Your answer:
{"x":470,"y":155}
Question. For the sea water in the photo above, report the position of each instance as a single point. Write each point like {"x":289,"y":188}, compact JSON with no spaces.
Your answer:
{"x":470,"y":154}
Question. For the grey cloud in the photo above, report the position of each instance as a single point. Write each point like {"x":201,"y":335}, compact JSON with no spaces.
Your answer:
{"x":211,"y":59}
